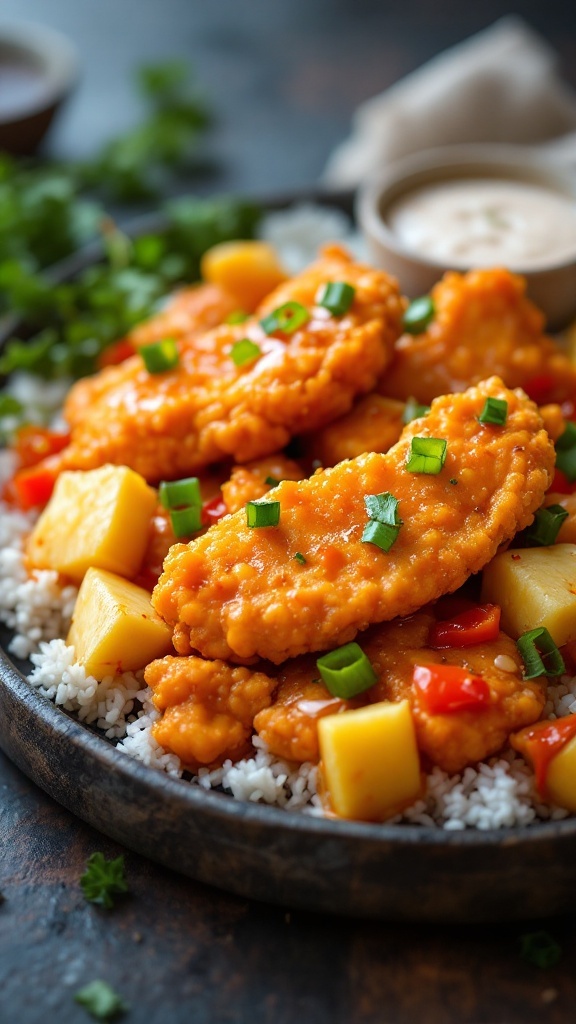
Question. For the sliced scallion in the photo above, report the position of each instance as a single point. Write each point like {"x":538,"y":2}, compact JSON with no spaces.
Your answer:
{"x":546,"y":526}
{"x":336,"y":296}
{"x":160,"y":356}
{"x":427,"y":455}
{"x":238,"y":316}
{"x":419,"y":314}
{"x":540,"y":654}
{"x":273,"y":481}
{"x":244,"y":351}
{"x":180,"y":493}
{"x":346,"y":671}
{"x":186,"y":521}
{"x":287,"y":318}
{"x":495,"y":411}
{"x":262,"y":513}
{"x":413,"y":410}
{"x":299,"y":557}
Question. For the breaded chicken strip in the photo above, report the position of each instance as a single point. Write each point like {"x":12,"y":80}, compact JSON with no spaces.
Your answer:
{"x":208,"y":408}
{"x":483,"y":324}
{"x":208,"y":707}
{"x":374,"y":424}
{"x":239,"y":592}
{"x":451,"y":740}
{"x":249,"y":482}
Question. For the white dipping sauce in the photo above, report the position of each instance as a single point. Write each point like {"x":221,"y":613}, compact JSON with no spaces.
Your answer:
{"x":485,"y":222}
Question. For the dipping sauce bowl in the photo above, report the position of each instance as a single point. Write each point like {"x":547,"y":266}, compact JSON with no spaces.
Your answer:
{"x":465,"y":207}
{"x":38,"y":69}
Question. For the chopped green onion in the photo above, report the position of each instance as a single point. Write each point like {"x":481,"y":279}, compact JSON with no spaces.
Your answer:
{"x":381,"y":534}
{"x":453,"y":480}
{"x":160,"y":356}
{"x":101,"y":1001}
{"x":262,"y":513}
{"x":568,"y":438}
{"x":566,"y":452}
{"x":287,"y":318}
{"x":238,"y":316}
{"x":272,"y":480}
{"x":180,"y":493}
{"x":495,"y":411}
{"x":346,"y":671}
{"x":383,"y":508}
{"x":186,"y":521}
{"x":540,"y":654}
{"x":419,"y":314}
{"x":413,"y":410}
{"x":336,"y":296}
{"x":299,"y":557}
{"x":427,"y":455}
{"x":244,"y":351}
{"x":540,"y":949}
{"x":545,"y":527}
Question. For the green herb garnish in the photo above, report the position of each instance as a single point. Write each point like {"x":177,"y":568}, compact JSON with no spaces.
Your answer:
{"x":160,"y":356}
{"x":101,"y":1001}
{"x":336,"y":296}
{"x":262,"y":513}
{"x":102,"y":879}
{"x":545,"y":528}
{"x":287,"y":318}
{"x":244,"y":351}
{"x":495,"y":411}
{"x":540,"y":654}
{"x":419,"y":314}
{"x":299,"y":557}
{"x":540,"y":949}
{"x":346,"y":671}
{"x":427,"y":455}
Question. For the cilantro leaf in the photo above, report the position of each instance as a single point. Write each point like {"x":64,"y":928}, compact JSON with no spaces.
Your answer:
{"x":101,"y":1001}
{"x":102,"y":878}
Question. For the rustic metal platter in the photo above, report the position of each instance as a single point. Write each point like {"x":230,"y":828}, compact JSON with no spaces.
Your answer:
{"x":390,"y":872}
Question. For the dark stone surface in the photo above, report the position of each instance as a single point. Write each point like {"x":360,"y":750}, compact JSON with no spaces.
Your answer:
{"x":285,"y":77}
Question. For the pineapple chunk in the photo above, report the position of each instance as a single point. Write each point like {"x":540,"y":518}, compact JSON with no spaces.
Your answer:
{"x":535,"y":587}
{"x":561,"y":777}
{"x":96,"y":518}
{"x":114,"y":627}
{"x":248,"y":271}
{"x":370,"y":758}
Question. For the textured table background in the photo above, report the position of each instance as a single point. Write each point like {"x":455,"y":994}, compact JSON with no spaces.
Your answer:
{"x":284,"y":77}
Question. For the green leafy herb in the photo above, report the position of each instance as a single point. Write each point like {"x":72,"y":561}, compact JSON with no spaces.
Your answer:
{"x":101,"y":1001}
{"x":540,"y":949}
{"x":545,"y":528}
{"x":566,"y":452}
{"x":383,"y":507}
{"x":102,"y":879}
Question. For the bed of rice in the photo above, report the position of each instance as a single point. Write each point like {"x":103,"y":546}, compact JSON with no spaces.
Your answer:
{"x":37,"y":609}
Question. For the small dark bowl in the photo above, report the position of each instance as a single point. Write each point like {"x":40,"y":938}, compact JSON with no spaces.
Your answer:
{"x":38,"y":70}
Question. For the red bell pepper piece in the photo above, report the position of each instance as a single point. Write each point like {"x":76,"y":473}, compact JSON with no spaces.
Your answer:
{"x":541,"y":742}
{"x":33,"y":444}
{"x":213,"y":510}
{"x":447,"y":688}
{"x":32,"y":486}
{"x":477,"y":625}
{"x":561,"y":484}
{"x":541,"y":388}
{"x":116,"y":353}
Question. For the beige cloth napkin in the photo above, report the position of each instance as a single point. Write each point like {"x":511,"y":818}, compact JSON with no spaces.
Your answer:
{"x":500,"y":85}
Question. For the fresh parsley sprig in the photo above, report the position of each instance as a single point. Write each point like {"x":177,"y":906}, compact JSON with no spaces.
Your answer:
{"x":102,"y":879}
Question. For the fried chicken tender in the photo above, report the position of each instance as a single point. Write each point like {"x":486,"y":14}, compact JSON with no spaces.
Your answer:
{"x":451,"y":741}
{"x":248,"y":483}
{"x":207,"y":408}
{"x":207,"y":707}
{"x":238,"y":593}
{"x":458,"y":738}
{"x":483,"y":324}
{"x":374,"y":424}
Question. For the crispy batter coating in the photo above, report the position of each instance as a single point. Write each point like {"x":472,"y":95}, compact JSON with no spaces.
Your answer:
{"x":374,"y":424}
{"x":458,"y":738}
{"x":483,"y":325}
{"x":207,"y":408}
{"x":248,"y":483}
{"x":239,"y":593}
{"x":208,"y":707}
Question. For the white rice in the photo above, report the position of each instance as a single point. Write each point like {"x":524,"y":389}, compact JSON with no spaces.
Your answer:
{"x":38,"y":609}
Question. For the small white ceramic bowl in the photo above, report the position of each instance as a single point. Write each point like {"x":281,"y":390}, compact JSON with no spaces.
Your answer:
{"x":551,"y":285}
{"x":38,"y":70}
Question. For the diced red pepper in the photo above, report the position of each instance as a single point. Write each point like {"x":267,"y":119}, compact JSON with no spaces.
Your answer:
{"x":561,"y":484}
{"x":477,"y":625}
{"x":32,"y":487}
{"x":447,"y":688}
{"x":33,"y":444}
{"x":116,"y":353}
{"x":541,"y":742}
{"x":541,"y":388}
{"x":213,"y":510}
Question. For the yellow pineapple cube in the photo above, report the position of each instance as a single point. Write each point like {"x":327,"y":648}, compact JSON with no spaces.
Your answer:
{"x":370,"y":759}
{"x":534,"y":587}
{"x":247,"y":270}
{"x":114,"y":627}
{"x":96,"y":518}
{"x":561,"y":777}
